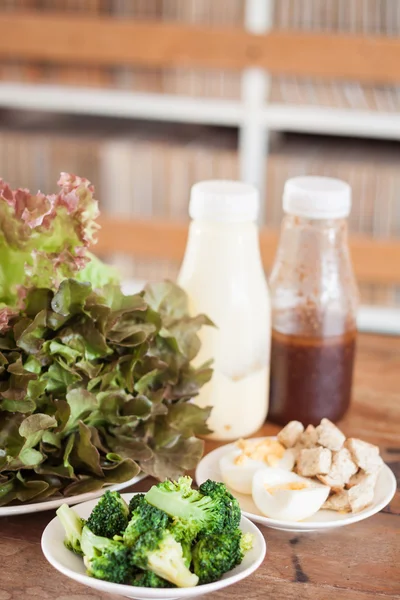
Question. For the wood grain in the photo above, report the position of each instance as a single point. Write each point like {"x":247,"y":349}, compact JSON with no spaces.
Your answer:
{"x":374,"y":261}
{"x":359,"y":562}
{"x":106,"y":41}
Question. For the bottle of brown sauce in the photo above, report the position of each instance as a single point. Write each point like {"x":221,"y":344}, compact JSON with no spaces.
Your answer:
{"x":314,"y":302}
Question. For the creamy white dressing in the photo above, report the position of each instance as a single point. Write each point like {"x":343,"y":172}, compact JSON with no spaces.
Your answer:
{"x":224,"y":278}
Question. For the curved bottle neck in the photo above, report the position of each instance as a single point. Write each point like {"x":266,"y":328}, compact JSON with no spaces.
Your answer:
{"x":335,"y":228}
{"x":224,"y":237}
{"x":222,"y":251}
{"x":305,"y":240}
{"x":312,"y":283}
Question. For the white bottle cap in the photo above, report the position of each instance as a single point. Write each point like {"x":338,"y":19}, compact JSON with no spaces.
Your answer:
{"x":224,"y":201}
{"x":317,"y":197}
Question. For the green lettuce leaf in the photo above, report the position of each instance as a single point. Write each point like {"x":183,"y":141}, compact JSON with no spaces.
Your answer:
{"x":172,"y":461}
{"x":96,"y":386}
{"x":167,"y":299}
{"x":97,"y":273}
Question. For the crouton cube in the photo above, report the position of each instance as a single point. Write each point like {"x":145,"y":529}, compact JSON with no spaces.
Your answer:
{"x":289,"y":435}
{"x":365,"y":455}
{"x":360,"y":477}
{"x":362,"y":494}
{"x":314,"y":461}
{"x":329,"y":435}
{"x":309,"y":437}
{"x":342,"y":468}
{"x":339,"y":502}
{"x":296,"y":451}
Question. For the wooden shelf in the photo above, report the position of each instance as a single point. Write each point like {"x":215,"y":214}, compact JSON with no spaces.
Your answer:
{"x":374,"y":261}
{"x":110,"y":42}
{"x":258,"y":51}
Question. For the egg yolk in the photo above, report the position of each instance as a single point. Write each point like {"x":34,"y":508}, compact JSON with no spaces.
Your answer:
{"x":268,"y":451}
{"x":292,"y":486}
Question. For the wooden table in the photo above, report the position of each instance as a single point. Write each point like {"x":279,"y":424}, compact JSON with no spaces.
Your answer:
{"x":360,"y":562}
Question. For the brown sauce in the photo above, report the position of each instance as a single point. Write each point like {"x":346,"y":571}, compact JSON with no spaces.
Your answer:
{"x":310,"y":377}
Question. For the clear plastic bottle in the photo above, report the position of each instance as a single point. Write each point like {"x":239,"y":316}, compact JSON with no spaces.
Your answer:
{"x":223,"y":275}
{"x":314,"y":301}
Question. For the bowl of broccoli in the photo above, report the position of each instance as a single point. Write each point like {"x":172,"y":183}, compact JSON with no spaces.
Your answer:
{"x":172,"y":542}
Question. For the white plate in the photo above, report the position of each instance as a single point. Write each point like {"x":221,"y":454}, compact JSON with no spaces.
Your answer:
{"x":72,"y":565}
{"x":208,"y":468}
{"x":23,"y":509}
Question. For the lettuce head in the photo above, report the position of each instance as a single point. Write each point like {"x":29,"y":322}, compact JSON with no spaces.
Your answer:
{"x":44,"y":239}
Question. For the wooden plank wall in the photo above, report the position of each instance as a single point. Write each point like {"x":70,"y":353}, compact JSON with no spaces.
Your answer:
{"x":105,"y":41}
{"x":374,"y":261}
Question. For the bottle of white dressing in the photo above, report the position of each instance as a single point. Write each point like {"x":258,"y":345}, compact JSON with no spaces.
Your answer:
{"x":224,"y":278}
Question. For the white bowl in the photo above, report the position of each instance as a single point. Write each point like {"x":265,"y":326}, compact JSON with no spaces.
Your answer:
{"x":208,"y":468}
{"x":72,"y":565}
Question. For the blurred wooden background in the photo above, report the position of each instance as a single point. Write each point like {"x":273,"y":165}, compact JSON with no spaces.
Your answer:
{"x":145,"y":97}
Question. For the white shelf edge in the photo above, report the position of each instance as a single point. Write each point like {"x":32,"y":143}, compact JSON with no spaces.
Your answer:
{"x":331,"y":121}
{"x":119,"y":103}
{"x":163,"y":107}
{"x":379,"y":319}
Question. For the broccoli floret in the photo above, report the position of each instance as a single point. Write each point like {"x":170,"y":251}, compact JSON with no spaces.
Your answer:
{"x":246,"y":542}
{"x":110,"y":515}
{"x":158,"y":551}
{"x":135,"y":501}
{"x":150,"y":580}
{"x":106,"y":559}
{"x":218,"y":492}
{"x":73,"y":525}
{"x":216,"y":554}
{"x":144,"y":517}
{"x":185,"y":534}
{"x":210,"y":510}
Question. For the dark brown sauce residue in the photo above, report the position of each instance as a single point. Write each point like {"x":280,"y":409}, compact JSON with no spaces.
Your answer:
{"x":310,"y":377}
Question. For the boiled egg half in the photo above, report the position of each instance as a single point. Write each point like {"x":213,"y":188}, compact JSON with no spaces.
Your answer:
{"x":286,"y":496}
{"x":239,"y":465}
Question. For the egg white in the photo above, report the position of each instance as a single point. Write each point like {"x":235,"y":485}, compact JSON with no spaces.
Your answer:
{"x":239,"y":477}
{"x":287,"y":505}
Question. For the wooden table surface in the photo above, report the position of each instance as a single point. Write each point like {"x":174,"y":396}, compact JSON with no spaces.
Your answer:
{"x":359,"y":562}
